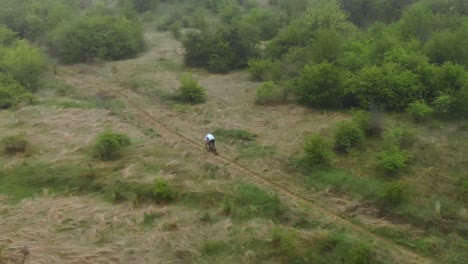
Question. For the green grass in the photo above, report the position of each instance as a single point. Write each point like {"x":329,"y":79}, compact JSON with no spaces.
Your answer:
{"x":249,"y":202}
{"x":254,"y":150}
{"x":223,"y":134}
{"x":30,"y":179}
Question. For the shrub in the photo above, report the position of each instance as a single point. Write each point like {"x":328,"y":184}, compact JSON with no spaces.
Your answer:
{"x":419,"y":110}
{"x":24,"y":64}
{"x":444,"y":104}
{"x":190,"y":91}
{"x":15,"y":144}
{"x":260,"y":70}
{"x":392,"y":160}
{"x":12,"y":93}
{"x":108,"y":144}
{"x":321,"y":85}
{"x":270,"y":93}
{"x":362,"y":120}
{"x":98,"y":37}
{"x":348,"y":136}
{"x":400,"y":136}
{"x":162,"y":191}
{"x":394,"y":194}
{"x":317,"y":150}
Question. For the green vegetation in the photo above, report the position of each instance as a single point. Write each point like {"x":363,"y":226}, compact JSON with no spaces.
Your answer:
{"x":162,"y":191}
{"x":233,"y":134}
{"x":190,"y":91}
{"x":348,"y":136}
{"x":270,"y":93}
{"x":108,"y":144}
{"x":419,"y":110}
{"x":97,"y":37}
{"x":249,"y":201}
{"x":317,"y":150}
{"x":15,"y":144}
{"x":392,"y":159}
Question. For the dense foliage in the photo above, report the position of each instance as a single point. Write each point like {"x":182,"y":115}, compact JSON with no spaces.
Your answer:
{"x":97,"y":37}
{"x":109,"y":144}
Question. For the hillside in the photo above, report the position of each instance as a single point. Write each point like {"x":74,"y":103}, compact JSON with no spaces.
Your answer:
{"x":397,"y":194}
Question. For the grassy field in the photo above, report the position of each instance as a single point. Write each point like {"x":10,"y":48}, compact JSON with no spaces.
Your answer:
{"x":67,"y":206}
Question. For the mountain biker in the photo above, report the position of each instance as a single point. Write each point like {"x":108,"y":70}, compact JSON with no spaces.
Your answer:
{"x":210,"y":139}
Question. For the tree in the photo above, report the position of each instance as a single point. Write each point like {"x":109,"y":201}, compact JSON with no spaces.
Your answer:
{"x":24,"y":63}
{"x":321,"y":85}
{"x":95,"y":37}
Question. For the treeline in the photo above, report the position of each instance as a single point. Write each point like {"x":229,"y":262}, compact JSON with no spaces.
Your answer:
{"x":394,"y":54}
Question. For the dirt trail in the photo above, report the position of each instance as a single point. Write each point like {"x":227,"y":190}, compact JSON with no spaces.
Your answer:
{"x":170,"y":132}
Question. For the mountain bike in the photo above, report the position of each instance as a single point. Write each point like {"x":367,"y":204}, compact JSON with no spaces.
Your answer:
{"x":210,"y":147}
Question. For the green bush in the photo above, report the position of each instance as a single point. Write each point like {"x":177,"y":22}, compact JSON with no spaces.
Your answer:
{"x":15,"y":144}
{"x":24,"y":64}
{"x":419,"y":110}
{"x":108,"y":144}
{"x":260,"y":70}
{"x":348,"y":136}
{"x":394,"y":194}
{"x":12,"y":93}
{"x":98,"y":37}
{"x":361,"y":119}
{"x":444,"y":104}
{"x":162,"y":191}
{"x":190,"y":91}
{"x":317,"y":150}
{"x":401,"y":136}
{"x":392,"y":160}
{"x":321,"y":85}
{"x":270,"y":93}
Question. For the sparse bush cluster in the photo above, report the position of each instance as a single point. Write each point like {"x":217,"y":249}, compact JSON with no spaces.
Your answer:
{"x":108,"y":144}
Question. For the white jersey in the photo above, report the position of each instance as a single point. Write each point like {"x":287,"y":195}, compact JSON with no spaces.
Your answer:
{"x":209,"y":137}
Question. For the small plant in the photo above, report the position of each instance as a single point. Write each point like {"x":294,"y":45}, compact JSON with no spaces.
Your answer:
{"x":394,"y":194}
{"x":259,"y":70}
{"x":270,"y":93}
{"x":162,"y":191}
{"x":15,"y":144}
{"x":348,"y":136}
{"x":190,"y":91}
{"x":419,"y":110}
{"x":392,"y":160}
{"x":317,"y":150}
{"x":401,"y":136}
{"x":108,"y":144}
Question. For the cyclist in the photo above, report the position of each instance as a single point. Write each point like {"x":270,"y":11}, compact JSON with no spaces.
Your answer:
{"x":210,"y":139}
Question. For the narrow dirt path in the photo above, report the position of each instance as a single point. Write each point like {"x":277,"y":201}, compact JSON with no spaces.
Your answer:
{"x":170,"y":132}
